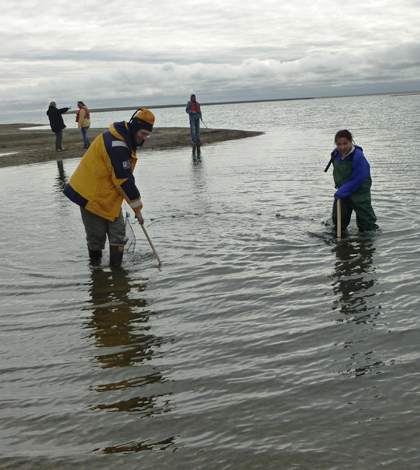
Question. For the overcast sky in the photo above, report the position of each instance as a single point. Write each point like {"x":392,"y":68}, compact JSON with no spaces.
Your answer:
{"x":145,"y":52}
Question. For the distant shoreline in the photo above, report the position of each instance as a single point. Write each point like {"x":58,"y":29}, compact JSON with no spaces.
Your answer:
{"x":22,"y":144}
{"x":221,"y":103}
{"x":162,"y":106}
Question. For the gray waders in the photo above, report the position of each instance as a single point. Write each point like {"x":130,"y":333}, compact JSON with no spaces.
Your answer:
{"x":97,"y":228}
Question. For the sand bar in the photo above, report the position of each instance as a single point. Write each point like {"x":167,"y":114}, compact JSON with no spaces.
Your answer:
{"x":22,"y":144}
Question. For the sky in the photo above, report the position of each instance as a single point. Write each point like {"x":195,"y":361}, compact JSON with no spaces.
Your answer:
{"x":157,"y":52}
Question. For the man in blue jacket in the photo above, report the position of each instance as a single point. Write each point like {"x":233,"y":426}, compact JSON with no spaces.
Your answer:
{"x":193,"y":109}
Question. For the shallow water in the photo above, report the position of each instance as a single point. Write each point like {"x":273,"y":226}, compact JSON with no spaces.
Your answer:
{"x":260,"y":343}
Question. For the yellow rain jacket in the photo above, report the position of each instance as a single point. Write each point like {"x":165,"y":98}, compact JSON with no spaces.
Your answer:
{"x":83,"y":117}
{"x":104,"y":176}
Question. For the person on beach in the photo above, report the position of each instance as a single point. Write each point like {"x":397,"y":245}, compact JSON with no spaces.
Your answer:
{"x":83,"y":120}
{"x":104,"y":178}
{"x":194,"y":110}
{"x":57,"y":123}
{"x":353,"y":182}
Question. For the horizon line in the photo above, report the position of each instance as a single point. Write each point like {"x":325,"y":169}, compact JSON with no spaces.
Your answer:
{"x":220,"y":103}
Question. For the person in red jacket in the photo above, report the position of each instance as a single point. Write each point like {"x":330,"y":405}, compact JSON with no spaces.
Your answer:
{"x":194,"y":110}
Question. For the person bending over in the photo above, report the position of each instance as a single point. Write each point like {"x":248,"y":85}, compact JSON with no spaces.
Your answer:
{"x":104,"y":178}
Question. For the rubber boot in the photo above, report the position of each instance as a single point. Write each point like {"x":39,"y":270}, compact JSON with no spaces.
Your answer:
{"x":95,"y":256}
{"x":116,"y":253}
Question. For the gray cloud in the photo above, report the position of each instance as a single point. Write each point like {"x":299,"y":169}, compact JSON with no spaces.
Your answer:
{"x":158,"y":52}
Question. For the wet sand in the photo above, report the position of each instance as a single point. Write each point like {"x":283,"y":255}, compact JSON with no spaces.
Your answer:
{"x":22,"y":144}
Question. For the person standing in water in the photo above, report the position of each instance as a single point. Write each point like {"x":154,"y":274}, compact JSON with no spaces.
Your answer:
{"x":57,"y":123}
{"x":104,"y":178}
{"x":83,"y":120}
{"x":194,"y":110}
{"x":353,"y":182}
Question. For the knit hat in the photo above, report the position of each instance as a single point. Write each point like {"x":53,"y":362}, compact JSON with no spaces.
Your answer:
{"x":144,"y":119}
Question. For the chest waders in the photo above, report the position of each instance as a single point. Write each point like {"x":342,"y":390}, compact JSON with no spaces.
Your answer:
{"x":359,"y":202}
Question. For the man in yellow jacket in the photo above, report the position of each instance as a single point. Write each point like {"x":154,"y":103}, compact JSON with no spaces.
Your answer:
{"x":104,"y":178}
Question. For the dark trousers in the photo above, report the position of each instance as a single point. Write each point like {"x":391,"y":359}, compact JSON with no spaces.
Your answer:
{"x":58,"y":137}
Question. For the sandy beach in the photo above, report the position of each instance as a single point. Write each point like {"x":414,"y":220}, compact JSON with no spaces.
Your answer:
{"x":22,"y":144}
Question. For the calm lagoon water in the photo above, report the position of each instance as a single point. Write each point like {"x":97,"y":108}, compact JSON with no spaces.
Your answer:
{"x":261,"y":343}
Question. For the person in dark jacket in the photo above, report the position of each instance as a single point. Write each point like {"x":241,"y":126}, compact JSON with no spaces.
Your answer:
{"x":353,"y":182}
{"x":57,"y":123}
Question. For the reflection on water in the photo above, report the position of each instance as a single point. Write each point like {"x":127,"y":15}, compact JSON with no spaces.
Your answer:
{"x":354,"y":277}
{"x":120,"y":330}
{"x":119,"y":321}
{"x":62,"y":179}
{"x":198,"y":174}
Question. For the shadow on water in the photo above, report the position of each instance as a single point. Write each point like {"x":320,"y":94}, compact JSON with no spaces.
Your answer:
{"x":353,"y":281}
{"x":119,"y":326}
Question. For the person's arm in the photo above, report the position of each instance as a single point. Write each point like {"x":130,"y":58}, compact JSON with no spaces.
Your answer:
{"x":361,"y":171}
{"x":122,"y":175}
{"x":63,"y":110}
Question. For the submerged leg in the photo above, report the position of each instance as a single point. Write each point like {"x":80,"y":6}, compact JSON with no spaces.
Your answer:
{"x":95,"y":256}
{"x":95,"y":228}
{"x":116,"y":253}
{"x":365,"y":215}
{"x":116,"y":236}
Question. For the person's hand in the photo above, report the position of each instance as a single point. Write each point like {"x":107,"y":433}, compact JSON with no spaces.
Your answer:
{"x":69,"y":107}
{"x":139,"y":217}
